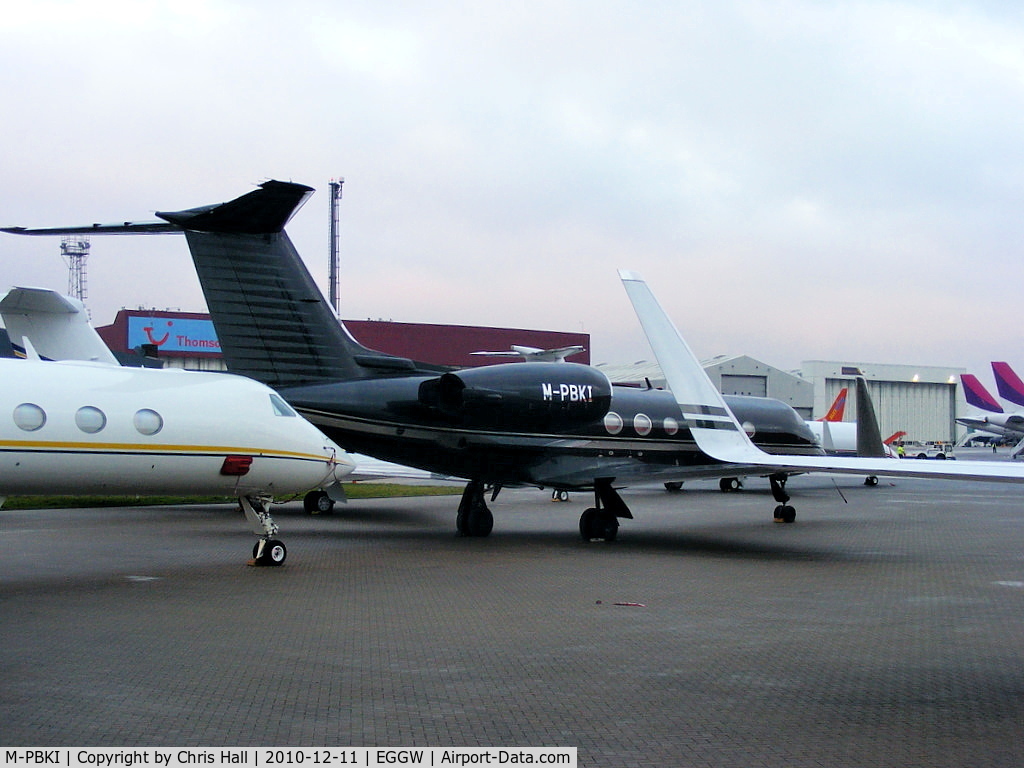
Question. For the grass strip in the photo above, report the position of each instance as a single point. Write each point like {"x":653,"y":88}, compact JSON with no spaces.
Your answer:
{"x":352,"y":491}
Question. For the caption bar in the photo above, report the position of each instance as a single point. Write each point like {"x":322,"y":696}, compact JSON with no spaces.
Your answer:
{"x":264,"y":757}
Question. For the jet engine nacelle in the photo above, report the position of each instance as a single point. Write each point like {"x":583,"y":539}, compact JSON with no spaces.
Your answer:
{"x":521,"y":396}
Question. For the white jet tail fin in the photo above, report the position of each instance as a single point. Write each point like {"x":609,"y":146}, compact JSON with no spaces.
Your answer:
{"x":56,"y":326}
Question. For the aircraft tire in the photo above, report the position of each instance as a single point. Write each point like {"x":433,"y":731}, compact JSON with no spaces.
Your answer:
{"x":871,"y":480}
{"x":274,"y":553}
{"x":318,"y":503}
{"x":729,"y":484}
{"x":673,"y":486}
{"x":598,"y":524}
{"x":476,"y":522}
{"x":480,"y":522}
{"x":785,"y":514}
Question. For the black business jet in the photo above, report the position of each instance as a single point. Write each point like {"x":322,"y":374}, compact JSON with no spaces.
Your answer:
{"x":556,"y":425}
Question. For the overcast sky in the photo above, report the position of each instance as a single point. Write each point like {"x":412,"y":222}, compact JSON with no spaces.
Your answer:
{"x":796,"y":180}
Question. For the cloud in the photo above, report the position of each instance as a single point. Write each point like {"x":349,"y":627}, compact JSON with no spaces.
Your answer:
{"x":790,"y":177}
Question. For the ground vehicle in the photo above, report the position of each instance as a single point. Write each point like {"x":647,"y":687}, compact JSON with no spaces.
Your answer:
{"x":913,"y":449}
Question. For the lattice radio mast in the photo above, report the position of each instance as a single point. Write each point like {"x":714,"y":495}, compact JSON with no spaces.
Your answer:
{"x":75,"y":251}
{"x":332,"y":266}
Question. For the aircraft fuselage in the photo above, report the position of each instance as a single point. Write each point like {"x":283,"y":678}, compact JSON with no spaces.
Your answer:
{"x":501,"y":436}
{"x":81,"y":428}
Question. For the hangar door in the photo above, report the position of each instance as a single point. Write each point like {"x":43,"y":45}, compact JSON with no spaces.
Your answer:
{"x":733,"y":384}
{"x":925,"y":411}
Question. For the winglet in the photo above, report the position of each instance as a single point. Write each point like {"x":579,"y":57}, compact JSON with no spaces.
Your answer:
{"x":712,"y":424}
{"x":869,"y":436}
{"x":717,"y":434}
{"x":1008,"y":383}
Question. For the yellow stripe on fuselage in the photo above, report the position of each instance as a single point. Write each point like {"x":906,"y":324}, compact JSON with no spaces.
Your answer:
{"x":144,"y":448}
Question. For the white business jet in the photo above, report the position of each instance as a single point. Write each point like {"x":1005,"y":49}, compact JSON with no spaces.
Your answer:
{"x":82,"y":427}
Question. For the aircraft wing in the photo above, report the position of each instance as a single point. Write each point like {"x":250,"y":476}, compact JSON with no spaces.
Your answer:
{"x":983,"y":425}
{"x":719,"y":435}
{"x":369,"y":468}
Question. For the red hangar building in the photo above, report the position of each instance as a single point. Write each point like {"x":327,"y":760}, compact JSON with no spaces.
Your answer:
{"x":188,"y":340}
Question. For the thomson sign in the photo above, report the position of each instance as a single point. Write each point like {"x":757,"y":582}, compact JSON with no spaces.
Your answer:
{"x":173,"y":334}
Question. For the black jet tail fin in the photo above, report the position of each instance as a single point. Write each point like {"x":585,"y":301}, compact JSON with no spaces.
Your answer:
{"x":272,"y":321}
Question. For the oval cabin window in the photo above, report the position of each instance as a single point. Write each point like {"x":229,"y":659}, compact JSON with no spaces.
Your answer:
{"x":90,"y":419}
{"x":148,"y":422}
{"x":613,"y":423}
{"x":29,"y":416}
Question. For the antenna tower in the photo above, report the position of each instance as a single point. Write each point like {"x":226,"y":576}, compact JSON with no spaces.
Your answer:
{"x":75,"y":251}
{"x":332,"y":266}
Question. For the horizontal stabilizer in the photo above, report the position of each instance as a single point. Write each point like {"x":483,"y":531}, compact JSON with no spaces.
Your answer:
{"x":263,"y":211}
{"x":1008,"y":383}
{"x":536,"y":354}
{"x":123,"y":228}
{"x":717,"y":433}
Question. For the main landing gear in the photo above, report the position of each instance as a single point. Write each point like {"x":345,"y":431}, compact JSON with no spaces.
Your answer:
{"x":474,"y":518}
{"x":598,"y":522}
{"x":268,"y":550}
{"x":783,"y":512}
{"x":730,"y":484}
{"x":318,"y":503}
{"x":601,"y":522}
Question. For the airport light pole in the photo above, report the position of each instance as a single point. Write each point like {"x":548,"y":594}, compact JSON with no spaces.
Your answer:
{"x":335,"y":186}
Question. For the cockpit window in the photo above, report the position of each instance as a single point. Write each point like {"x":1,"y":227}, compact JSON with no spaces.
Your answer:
{"x":281,"y":408}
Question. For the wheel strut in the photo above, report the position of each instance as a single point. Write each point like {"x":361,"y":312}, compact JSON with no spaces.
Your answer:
{"x":602,"y":520}
{"x":784,"y":513}
{"x":474,"y":518}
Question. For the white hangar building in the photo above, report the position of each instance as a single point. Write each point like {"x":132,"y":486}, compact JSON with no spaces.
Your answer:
{"x":923,"y":401}
{"x":739,"y":375}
